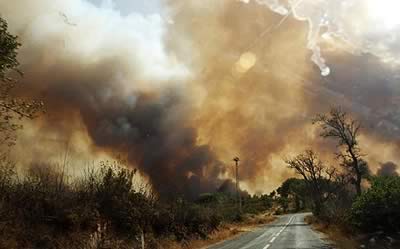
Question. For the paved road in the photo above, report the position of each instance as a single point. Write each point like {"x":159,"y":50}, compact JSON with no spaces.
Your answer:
{"x":287,"y":232}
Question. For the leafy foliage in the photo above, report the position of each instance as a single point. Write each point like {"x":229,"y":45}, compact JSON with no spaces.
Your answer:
{"x":379,"y":207}
{"x":295,"y":191}
{"x":8,"y":51}
{"x":11,"y":109}
{"x":317,"y":176}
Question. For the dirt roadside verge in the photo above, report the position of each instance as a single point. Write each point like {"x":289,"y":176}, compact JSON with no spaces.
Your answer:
{"x":334,"y":233}
{"x":225,"y":231}
{"x":353,"y":240}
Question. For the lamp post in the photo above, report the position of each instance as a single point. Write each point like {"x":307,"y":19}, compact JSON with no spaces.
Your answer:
{"x":239,"y":200}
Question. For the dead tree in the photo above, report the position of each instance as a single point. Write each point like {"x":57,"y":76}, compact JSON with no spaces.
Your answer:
{"x":338,"y":125}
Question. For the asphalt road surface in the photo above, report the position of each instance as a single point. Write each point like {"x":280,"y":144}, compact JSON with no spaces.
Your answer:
{"x":287,"y":232}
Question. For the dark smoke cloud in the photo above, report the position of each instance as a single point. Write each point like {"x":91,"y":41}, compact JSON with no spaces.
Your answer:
{"x":229,"y":187}
{"x":149,"y":128}
{"x":388,"y":169}
{"x":127,"y":92}
{"x":368,"y":88}
{"x":157,"y":140}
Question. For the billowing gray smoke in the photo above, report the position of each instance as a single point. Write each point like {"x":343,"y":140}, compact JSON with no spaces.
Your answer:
{"x":229,"y":187}
{"x":388,"y":169}
{"x":154,"y":135}
{"x":150,"y":128}
{"x":111,"y":73}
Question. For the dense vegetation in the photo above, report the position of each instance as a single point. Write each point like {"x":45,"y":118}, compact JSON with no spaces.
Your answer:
{"x":379,"y":207}
{"x":293,"y":196}
{"x":105,"y":207}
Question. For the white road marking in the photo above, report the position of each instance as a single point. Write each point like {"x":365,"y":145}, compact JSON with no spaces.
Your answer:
{"x":280,"y":231}
{"x":267,"y":246}
{"x":275,"y":235}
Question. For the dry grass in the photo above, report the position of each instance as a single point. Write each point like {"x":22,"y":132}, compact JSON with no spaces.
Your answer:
{"x":226,"y":231}
{"x":334,"y":233}
{"x":352,"y":240}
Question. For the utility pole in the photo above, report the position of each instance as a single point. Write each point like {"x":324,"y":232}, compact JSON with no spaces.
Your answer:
{"x":238,"y":197}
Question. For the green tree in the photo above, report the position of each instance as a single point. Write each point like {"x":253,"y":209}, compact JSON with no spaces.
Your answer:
{"x":295,"y":190}
{"x":379,"y":207}
{"x":8,"y":51}
{"x":317,"y":176}
{"x":283,"y":203}
{"x":11,"y":109}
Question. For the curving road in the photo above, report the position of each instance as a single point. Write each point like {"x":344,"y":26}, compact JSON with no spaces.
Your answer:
{"x":287,"y":232}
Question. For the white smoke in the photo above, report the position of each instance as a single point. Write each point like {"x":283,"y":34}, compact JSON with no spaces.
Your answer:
{"x":78,"y":28}
{"x":366,"y":26}
{"x":76,"y":37}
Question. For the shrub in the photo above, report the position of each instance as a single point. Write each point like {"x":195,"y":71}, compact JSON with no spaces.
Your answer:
{"x":46,"y":209}
{"x":193,"y":220}
{"x":379,"y":207}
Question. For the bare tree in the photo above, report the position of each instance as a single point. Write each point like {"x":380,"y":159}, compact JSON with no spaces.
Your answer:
{"x":317,"y":176}
{"x":338,"y":125}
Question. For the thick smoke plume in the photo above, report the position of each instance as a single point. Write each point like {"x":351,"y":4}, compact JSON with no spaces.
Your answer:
{"x":388,"y":169}
{"x":113,"y":74}
{"x":364,"y":26}
{"x":260,"y":107}
{"x":179,"y":97}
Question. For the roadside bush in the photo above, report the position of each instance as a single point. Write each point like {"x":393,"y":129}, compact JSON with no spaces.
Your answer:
{"x":118,"y":203}
{"x":379,"y":207}
{"x":256,"y":204}
{"x":193,"y":220}
{"x":45,"y":209}
{"x":163,"y":223}
{"x":201,"y":221}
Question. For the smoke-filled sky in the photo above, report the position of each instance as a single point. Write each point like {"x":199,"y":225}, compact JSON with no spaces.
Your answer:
{"x":180,"y":87}
{"x":125,"y":7}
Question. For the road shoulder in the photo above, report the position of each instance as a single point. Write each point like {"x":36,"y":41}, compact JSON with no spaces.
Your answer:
{"x":227,"y":231}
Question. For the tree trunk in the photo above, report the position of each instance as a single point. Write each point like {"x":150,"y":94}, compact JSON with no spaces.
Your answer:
{"x":317,"y":208}
{"x":358,"y":185}
{"x":142,"y":237}
{"x":297,"y":203}
{"x":357,"y":170}
{"x":317,"y":204}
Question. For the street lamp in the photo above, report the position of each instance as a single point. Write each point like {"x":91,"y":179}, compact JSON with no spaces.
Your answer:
{"x":238,"y":197}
